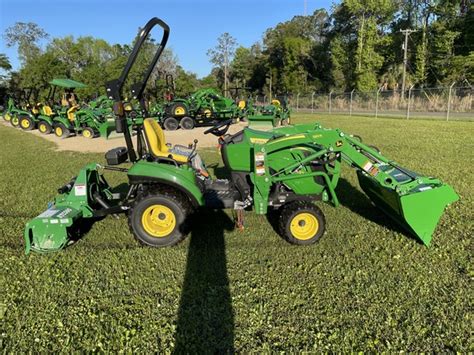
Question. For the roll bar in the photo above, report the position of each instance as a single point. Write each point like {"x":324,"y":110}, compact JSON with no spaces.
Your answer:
{"x":114,"y":88}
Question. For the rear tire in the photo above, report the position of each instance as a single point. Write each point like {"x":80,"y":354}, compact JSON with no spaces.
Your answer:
{"x":186,"y":123}
{"x":178,"y":110}
{"x":44,"y":127}
{"x":171,"y":124}
{"x":26,"y":123}
{"x":61,"y":131}
{"x":158,"y":218}
{"x":301,"y":223}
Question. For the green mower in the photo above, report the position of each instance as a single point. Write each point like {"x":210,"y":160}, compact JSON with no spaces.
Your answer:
{"x":286,"y":170}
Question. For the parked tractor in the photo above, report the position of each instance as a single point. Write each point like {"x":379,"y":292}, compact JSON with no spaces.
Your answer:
{"x":203,"y":108}
{"x":275,"y":114}
{"x":286,"y":170}
{"x":19,"y":107}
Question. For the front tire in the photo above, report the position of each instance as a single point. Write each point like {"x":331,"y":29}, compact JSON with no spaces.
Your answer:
{"x":158,"y":218}
{"x":301,"y":223}
{"x":44,"y":127}
{"x":88,"y":133}
{"x":15,"y":121}
{"x":61,"y":131}
{"x":26,"y":123}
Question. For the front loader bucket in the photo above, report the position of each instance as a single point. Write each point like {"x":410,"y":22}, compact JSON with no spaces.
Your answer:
{"x":417,"y":210}
{"x":50,"y":230}
{"x":106,"y":128}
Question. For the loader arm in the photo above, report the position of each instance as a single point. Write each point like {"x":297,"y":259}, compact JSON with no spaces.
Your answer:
{"x":414,"y":201}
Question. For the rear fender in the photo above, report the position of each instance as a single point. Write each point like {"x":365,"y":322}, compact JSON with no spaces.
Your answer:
{"x":47,"y":119}
{"x":64,"y":121}
{"x":181,"y":178}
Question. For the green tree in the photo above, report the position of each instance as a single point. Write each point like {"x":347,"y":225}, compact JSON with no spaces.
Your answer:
{"x":4,"y":62}
{"x":221,"y":55}
{"x":26,"y":36}
{"x":242,"y":65}
{"x":369,"y":18}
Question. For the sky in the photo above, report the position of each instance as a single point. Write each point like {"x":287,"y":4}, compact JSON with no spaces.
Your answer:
{"x":195,"y":25}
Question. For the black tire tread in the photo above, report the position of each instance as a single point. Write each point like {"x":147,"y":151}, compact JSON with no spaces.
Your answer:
{"x":32,"y":123}
{"x":169,"y":119}
{"x":49,"y":127}
{"x":168,"y":193}
{"x":288,"y":210}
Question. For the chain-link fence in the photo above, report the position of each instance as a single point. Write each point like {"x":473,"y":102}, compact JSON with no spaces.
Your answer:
{"x":442,"y":103}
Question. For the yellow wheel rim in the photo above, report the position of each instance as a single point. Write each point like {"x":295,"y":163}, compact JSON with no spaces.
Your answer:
{"x":207,"y":113}
{"x":86,"y":133}
{"x":42,"y":127}
{"x":7,"y":117}
{"x":178,"y":111}
{"x":158,"y":221}
{"x":15,"y":120}
{"x":304,"y":226}
{"x":58,"y":131}
{"x":25,"y":123}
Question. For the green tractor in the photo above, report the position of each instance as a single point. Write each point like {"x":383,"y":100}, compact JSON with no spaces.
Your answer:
{"x":18,"y":107}
{"x":275,"y":114}
{"x":285,"y":171}
{"x":90,"y":121}
{"x":203,"y":108}
{"x":42,"y":116}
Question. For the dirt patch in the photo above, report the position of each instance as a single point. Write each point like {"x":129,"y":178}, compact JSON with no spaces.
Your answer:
{"x":100,"y":145}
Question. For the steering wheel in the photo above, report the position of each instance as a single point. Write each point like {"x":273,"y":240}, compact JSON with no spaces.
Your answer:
{"x":219,"y":129}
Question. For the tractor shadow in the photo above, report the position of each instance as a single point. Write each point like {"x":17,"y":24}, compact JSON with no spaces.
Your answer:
{"x":205,"y":317}
{"x":359,"y":203}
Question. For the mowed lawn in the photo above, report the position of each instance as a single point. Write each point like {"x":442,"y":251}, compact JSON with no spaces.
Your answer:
{"x":365,"y":286}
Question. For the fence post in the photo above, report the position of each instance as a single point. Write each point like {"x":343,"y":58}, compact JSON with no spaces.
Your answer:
{"x":449,"y":101}
{"x":312,"y":102}
{"x":408,"y":102}
{"x":264,"y":99}
{"x":377,"y":102}
{"x":297,"y":102}
{"x":330,"y":103}
{"x":350,"y":105}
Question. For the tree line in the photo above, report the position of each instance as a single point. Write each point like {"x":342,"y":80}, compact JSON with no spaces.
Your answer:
{"x":358,"y":44}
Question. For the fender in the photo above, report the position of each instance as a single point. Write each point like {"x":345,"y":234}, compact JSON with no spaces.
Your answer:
{"x":180,"y":177}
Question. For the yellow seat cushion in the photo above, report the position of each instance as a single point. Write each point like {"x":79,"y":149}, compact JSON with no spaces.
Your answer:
{"x":156,"y":141}
{"x":47,"y":110}
{"x":71,"y":113}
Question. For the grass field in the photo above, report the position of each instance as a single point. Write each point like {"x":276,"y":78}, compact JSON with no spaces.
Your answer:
{"x":364,"y":287}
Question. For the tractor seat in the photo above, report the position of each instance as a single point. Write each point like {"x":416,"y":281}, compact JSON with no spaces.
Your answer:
{"x":71,"y":113}
{"x":47,"y":110}
{"x":157,"y":147}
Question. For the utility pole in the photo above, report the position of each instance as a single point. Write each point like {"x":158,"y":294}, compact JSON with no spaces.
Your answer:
{"x":405,"y":57}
